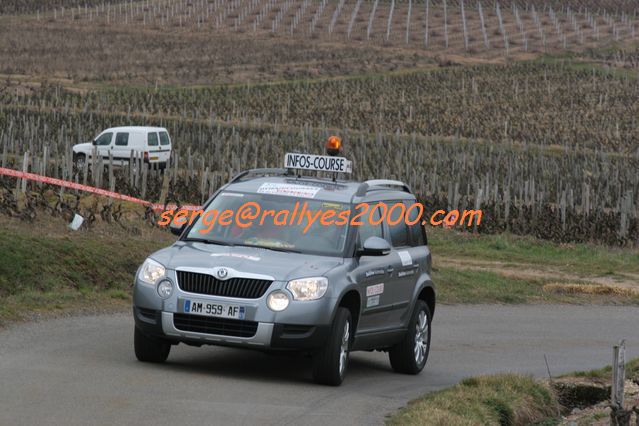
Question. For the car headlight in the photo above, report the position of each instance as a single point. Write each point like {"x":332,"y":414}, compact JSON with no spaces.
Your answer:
{"x":308,"y":288}
{"x":277,"y":301}
{"x":151,"y":271}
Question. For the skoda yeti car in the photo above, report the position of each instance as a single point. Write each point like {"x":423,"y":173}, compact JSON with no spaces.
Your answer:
{"x":324,"y":292}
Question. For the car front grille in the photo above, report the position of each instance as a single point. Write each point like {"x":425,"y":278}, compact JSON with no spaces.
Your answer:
{"x":211,"y":325}
{"x":245,"y":288}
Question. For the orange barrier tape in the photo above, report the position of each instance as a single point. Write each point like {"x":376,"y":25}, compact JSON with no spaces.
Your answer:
{"x":91,"y":189}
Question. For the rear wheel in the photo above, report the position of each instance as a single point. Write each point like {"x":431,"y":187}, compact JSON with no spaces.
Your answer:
{"x":331,"y":362}
{"x":410,"y":355}
{"x":150,"y":349}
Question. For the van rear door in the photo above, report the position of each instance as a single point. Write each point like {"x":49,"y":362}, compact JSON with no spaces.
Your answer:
{"x":164,"y":152}
{"x":153,"y":143}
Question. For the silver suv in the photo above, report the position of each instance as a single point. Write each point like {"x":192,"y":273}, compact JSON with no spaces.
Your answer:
{"x":326,"y":292}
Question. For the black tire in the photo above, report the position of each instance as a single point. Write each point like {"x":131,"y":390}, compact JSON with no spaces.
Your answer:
{"x":405,"y":357}
{"x":327,"y":368}
{"x":150,"y":349}
{"x":79,"y":161}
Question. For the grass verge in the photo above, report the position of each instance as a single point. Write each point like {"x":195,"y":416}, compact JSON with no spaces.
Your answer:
{"x":513,"y":399}
{"x":485,"y":286}
{"x":584,"y":259}
{"x":632,"y":371}
{"x":505,"y":399}
{"x":506,"y":268}
{"x":47,"y":269}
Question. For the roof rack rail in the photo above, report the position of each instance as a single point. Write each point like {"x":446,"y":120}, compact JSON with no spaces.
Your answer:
{"x":373,"y":184}
{"x":260,"y":172}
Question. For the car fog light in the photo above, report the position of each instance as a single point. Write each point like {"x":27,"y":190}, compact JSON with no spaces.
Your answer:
{"x":277,"y":301}
{"x":165,"y":289}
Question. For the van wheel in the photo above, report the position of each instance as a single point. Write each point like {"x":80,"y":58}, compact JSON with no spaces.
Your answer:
{"x":149,"y":349}
{"x":410,"y":355}
{"x":331,"y":362}
{"x":80,"y":159}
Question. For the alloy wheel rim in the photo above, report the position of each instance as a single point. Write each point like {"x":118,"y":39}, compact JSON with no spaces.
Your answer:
{"x":421,"y":338}
{"x":343,"y":355}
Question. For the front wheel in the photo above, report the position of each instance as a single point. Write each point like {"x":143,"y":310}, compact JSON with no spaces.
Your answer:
{"x":80,"y":160}
{"x":149,"y":349}
{"x":331,"y":362}
{"x":410,"y":355}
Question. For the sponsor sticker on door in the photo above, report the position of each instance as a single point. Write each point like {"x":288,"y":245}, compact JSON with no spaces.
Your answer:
{"x":404,"y":256}
{"x":372,"y":301}
{"x":373,"y":290}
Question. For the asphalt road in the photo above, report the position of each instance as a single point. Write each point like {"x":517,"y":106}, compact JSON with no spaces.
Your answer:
{"x":82,"y":370}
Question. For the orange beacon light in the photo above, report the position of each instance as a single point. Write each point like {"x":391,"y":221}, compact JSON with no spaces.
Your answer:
{"x":333,"y":145}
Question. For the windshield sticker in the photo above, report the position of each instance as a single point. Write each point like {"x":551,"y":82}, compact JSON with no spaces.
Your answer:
{"x":231,"y":194}
{"x":373,"y":290}
{"x":372,"y":301}
{"x":333,"y":206}
{"x":405,"y":258}
{"x":300,"y":191}
{"x":332,"y":186}
{"x":268,"y":242}
{"x":238,"y":255}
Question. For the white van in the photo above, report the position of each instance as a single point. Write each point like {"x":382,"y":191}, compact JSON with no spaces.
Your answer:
{"x":153,"y":144}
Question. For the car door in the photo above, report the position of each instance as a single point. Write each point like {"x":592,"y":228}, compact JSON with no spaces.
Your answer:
{"x":417,"y":249}
{"x":403,"y":261}
{"x":121,"y":148}
{"x":371,"y":275}
{"x":103,"y":144}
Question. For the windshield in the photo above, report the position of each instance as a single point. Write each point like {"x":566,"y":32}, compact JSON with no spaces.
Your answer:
{"x":270,"y":221}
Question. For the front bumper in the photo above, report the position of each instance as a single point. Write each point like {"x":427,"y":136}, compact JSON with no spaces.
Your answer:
{"x":303,"y":325}
{"x":274,"y":336}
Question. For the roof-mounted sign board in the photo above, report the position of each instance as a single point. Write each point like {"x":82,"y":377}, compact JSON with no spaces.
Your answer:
{"x":322,"y":163}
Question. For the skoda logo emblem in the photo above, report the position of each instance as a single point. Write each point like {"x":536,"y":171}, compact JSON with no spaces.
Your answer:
{"x":222,"y":273}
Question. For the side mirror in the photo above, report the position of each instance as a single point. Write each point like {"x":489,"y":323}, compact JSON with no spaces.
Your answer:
{"x":176,"y":229}
{"x":94,"y":142}
{"x":375,"y":246}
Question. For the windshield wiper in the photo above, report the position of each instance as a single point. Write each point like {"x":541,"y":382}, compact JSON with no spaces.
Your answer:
{"x":286,"y":250}
{"x":207,"y":241}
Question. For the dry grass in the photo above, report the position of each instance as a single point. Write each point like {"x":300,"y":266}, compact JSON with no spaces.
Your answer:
{"x":589,"y":289}
{"x":506,"y":399}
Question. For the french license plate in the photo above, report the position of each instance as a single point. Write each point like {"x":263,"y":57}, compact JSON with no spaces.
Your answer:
{"x":212,"y":309}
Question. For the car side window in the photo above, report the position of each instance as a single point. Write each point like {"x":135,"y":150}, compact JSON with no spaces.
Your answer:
{"x":398,"y":231}
{"x":153,"y":139}
{"x":104,"y":139}
{"x":164,"y":138}
{"x":416,"y":230}
{"x":367,"y":229}
{"x":122,"y":139}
